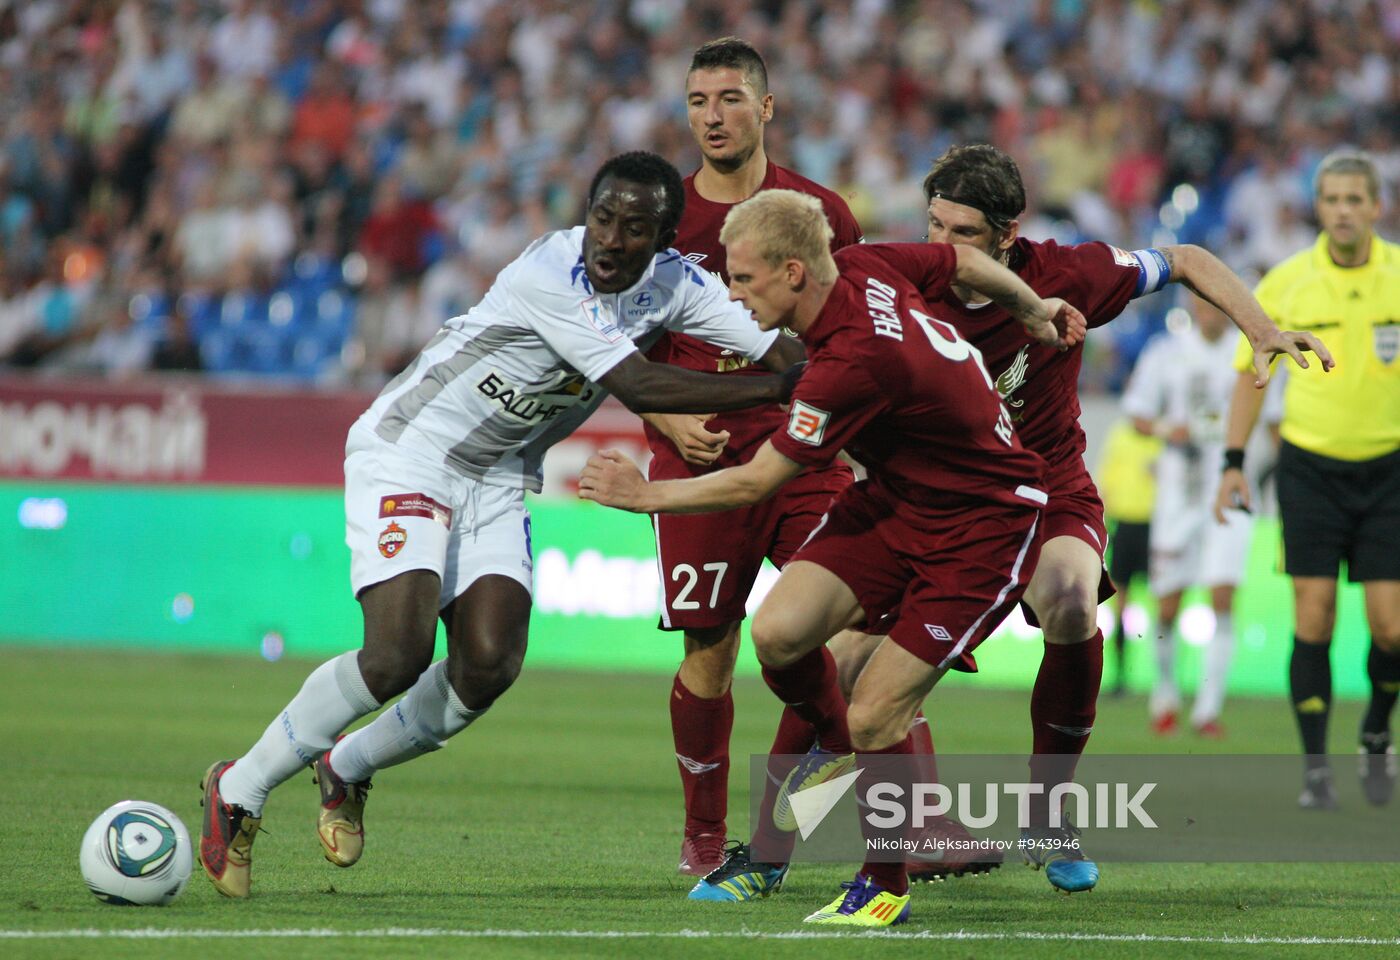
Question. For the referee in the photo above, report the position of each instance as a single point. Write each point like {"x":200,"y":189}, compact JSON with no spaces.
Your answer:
{"x":1339,"y":462}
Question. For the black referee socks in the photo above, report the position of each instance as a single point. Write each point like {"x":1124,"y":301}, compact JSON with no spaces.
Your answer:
{"x":1383,"y":668}
{"x":1310,"y":684}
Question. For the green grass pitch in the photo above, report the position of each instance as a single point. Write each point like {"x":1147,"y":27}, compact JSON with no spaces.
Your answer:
{"x":554,"y":822}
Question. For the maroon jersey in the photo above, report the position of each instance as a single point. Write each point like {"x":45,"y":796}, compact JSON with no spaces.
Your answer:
{"x":698,"y":241}
{"x":903,"y":392}
{"x":1041,"y":384}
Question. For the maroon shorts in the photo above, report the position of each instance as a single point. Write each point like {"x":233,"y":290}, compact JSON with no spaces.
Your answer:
{"x":709,"y":561}
{"x":1075,"y":510}
{"x":952,"y":580}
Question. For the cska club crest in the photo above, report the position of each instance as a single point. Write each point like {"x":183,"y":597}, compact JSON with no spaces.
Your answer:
{"x":391,"y":541}
{"x":1387,"y":341}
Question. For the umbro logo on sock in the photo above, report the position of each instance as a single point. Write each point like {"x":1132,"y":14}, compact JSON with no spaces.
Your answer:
{"x":695,"y":766}
{"x":1071,"y":731}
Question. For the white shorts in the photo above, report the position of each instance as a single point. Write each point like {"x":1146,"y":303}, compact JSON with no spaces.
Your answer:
{"x":1188,"y":548}
{"x":407,"y":514}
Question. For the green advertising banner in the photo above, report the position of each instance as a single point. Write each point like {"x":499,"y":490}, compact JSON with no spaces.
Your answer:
{"x":265,"y":571}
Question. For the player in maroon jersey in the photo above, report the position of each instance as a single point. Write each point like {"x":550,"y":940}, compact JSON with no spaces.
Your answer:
{"x":708,"y":572}
{"x":944,"y":530}
{"x":974,"y":196}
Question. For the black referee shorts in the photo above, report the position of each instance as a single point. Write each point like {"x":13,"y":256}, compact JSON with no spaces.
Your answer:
{"x":1335,"y":510}
{"x":1127,"y":552}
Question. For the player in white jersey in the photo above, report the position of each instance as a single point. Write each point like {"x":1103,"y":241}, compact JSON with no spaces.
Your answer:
{"x":1180,"y":391}
{"x":435,"y":478}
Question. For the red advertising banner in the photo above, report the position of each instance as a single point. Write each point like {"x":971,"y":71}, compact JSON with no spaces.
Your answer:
{"x":192,"y":431}
{"x":180,"y":431}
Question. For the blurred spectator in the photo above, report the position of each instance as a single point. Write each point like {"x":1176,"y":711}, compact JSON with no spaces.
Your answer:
{"x":204,"y":240}
{"x":207,"y":113}
{"x":119,"y":346}
{"x":178,"y":349}
{"x":398,"y":229}
{"x":243,"y":40}
{"x":326,"y":115}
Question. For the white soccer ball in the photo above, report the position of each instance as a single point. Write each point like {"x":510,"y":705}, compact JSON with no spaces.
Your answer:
{"x":136,"y":854}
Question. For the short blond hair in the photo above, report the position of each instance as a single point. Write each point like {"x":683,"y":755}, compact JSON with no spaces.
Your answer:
{"x":784,"y":225}
{"x":1342,"y":162}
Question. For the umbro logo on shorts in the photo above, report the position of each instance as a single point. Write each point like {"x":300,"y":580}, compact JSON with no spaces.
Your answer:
{"x":938,"y":633}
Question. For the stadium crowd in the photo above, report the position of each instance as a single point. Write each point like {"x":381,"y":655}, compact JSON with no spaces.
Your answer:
{"x":308,"y":188}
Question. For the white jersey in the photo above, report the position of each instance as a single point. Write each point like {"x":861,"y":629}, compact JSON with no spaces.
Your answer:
{"x":1182,"y":379}
{"x":501,"y":384}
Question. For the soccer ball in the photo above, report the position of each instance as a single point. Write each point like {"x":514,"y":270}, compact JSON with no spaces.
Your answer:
{"x":136,"y":854}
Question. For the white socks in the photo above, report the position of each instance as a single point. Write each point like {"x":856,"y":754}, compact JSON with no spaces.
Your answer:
{"x":421,"y":722}
{"x":1165,"y":698}
{"x":331,"y":699}
{"x":1215,"y":670}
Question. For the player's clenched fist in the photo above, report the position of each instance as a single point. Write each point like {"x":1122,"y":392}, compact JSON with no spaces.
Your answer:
{"x":613,"y":480}
{"x":1065,"y":328}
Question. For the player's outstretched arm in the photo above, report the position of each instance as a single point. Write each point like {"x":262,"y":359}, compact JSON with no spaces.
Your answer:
{"x":613,"y":480}
{"x":645,"y":387}
{"x":1245,"y":404}
{"x":1203,"y":273}
{"x":1052,"y":322}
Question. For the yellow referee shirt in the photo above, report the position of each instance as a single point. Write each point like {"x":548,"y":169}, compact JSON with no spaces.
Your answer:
{"x":1124,"y":477}
{"x":1352,"y":413}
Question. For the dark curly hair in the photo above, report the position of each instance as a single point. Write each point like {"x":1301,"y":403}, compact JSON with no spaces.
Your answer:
{"x":649,"y":169}
{"x":982,"y":177}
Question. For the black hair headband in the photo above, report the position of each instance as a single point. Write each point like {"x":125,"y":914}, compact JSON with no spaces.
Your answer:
{"x":992,"y":216}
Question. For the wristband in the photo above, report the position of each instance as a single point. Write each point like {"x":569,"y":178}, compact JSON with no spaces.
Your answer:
{"x":1234,"y":459}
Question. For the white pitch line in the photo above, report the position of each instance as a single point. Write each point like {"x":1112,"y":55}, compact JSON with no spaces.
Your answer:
{"x":321,"y":933}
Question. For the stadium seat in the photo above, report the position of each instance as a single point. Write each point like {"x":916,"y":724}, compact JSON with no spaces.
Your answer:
{"x":283,"y":310}
{"x":266,"y":350}
{"x":309,"y":354}
{"x":334,"y":314}
{"x":218,"y":349}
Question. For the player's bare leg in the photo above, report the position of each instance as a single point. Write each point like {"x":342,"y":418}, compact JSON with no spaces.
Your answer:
{"x":806,"y":606}
{"x":1164,"y":703}
{"x":487,"y":632}
{"x":702,"y":718}
{"x":960,"y":858}
{"x":851,"y":649}
{"x":1310,"y":684}
{"x":400,"y":626}
{"x":400,"y":629}
{"x":486,"y":637}
{"x":1378,"y":764}
{"x":1063,"y":593}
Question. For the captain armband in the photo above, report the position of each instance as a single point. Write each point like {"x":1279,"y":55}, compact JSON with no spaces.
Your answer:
{"x":1154,"y":272}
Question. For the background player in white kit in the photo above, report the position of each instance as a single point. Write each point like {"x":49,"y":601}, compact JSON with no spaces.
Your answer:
{"x":435,"y":478}
{"x":1180,"y":391}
